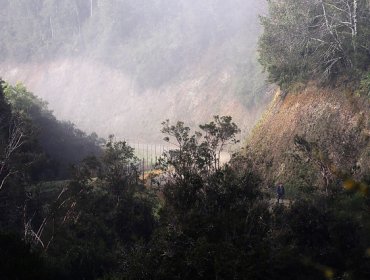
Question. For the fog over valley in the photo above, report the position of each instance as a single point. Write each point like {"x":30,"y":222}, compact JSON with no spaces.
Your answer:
{"x":123,"y":67}
{"x":184,"y":139}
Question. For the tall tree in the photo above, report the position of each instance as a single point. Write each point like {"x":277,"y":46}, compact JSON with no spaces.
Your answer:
{"x":315,"y":39}
{"x":14,"y":133}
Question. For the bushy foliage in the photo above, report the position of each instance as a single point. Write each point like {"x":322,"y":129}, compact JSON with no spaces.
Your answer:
{"x":62,"y":142}
{"x":322,"y":238}
{"x":18,"y":262}
{"x":83,"y":225}
{"x":4,"y":118}
{"x":218,"y":224}
{"x":320,"y":39}
{"x":213,"y":223}
{"x":365,"y":84}
{"x":209,"y":220}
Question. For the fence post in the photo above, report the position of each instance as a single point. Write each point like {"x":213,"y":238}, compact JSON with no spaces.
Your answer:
{"x":143,"y":169}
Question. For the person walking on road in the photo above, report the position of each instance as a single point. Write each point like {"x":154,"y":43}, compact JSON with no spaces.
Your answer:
{"x":280,"y":191}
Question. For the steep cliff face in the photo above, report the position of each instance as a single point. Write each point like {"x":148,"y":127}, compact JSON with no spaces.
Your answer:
{"x":316,"y":134}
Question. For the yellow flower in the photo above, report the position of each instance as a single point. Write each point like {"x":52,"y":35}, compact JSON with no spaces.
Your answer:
{"x":329,"y":273}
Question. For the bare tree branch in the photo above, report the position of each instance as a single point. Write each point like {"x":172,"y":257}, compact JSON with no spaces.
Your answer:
{"x":17,"y":137}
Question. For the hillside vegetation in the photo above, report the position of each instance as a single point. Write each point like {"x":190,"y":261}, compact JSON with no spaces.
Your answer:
{"x":50,"y":145}
{"x":321,"y":40}
{"x":311,"y":136}
{"x":199,"y":218}
{"x":316,"y":130}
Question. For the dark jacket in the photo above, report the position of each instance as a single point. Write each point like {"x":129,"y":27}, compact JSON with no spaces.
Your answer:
{"x":280,"y":190}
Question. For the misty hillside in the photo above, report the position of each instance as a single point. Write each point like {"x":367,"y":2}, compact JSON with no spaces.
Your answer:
{"x":136,"y":60}
{"x":288,"y":200}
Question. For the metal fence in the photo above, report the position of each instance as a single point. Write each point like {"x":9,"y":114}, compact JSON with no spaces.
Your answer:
{"x":147,"y":153}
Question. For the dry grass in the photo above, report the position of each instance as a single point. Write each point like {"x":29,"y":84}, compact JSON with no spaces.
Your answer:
{"x":337,"y":121}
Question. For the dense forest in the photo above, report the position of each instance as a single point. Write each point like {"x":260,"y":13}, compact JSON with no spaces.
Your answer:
{"x":198,"y":220}
{"x":75,"y":206}
{"x":321,"y":40}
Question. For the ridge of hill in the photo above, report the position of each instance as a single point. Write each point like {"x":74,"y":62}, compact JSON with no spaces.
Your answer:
{"x":47,"y":146}
{"x":309,"y":136}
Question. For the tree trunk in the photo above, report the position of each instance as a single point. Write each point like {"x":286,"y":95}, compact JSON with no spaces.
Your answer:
{"x":354,"y":22}
{"x":51,"y":28}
